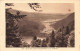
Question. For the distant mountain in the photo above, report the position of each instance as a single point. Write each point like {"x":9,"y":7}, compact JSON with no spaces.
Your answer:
{"x":40,"y":16}
{"x":68,"y":21}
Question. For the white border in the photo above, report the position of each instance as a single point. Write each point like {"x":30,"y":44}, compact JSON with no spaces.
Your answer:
{"x":2,"y":26}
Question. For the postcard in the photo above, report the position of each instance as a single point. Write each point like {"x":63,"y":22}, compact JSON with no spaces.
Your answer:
{"x":39,"y":25}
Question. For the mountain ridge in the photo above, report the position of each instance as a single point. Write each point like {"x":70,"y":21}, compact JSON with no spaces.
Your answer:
{"x":64,"y":22}
{"x":39,"y":16}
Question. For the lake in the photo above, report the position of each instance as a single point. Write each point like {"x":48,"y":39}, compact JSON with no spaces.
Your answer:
{"x":28,"y":39}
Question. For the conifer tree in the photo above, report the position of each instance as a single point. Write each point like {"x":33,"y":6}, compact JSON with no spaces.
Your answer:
{"x":52,"y":40}
{"x":67,"y":30}
{"x":34,"y":38}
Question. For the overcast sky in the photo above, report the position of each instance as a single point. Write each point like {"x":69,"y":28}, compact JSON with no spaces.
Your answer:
{"x":47,"y":7}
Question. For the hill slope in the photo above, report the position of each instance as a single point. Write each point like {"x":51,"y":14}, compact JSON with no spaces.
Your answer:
{"x":68,"y":21}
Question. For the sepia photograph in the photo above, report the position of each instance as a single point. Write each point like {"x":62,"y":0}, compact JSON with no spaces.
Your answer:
{"x":40,"y":25}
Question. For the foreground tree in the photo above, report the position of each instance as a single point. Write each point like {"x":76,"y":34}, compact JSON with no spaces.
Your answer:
{"x":35,"y":6}
{"x":52,"y":39}
{"x":12,"y":34}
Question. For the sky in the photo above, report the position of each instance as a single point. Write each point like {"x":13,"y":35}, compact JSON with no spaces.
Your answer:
{"x":47,"y":7}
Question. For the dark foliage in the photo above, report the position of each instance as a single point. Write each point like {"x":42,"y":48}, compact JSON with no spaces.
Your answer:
{"x":35,"y":38}
{"x":34,"y":6}
{"x":52,"y":40}
{"x":12,"y":34}
{"x":9,"y":4}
